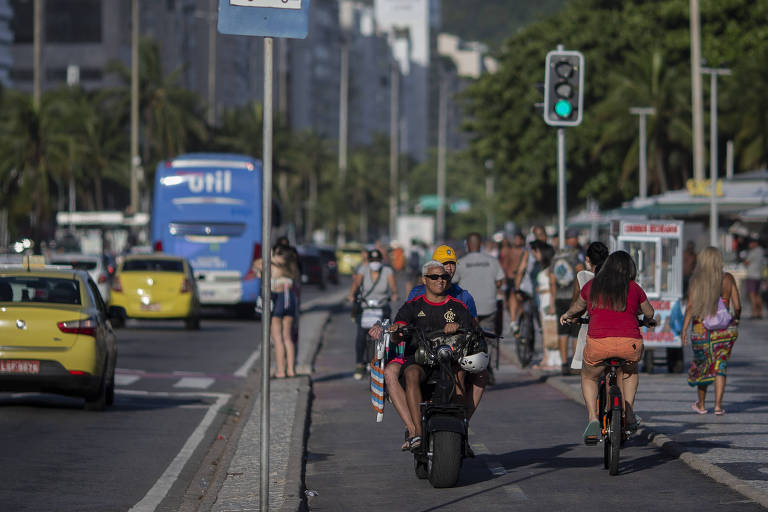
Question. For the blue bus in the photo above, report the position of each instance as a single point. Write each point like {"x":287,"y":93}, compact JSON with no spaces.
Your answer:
{"x":207,"y":208}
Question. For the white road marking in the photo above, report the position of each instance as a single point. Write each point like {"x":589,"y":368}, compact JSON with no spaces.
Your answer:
{"x":157,"y":493}
{"x":125,"y":380}
{"x":195,"y":382}
{"x":515,"y":492}
{"x":243,"y":370}
{"x":480,"y":449}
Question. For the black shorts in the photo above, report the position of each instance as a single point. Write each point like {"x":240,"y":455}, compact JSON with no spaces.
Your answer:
{"x":561,"y":306}
{"x":510,"y":282}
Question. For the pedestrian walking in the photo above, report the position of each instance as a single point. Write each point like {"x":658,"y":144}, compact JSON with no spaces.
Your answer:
{"x":543,"y":253}
{"x":481,"y":275}
{"x":567,"y":263}
{"x":597,"y":252}
{"x":510,"y":255}
{"x":710,"y":326}
{"x":755,"y":261}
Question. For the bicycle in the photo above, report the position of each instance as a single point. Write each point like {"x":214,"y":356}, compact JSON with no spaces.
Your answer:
{"x":610,"y":408}
{"x":525,"y":334}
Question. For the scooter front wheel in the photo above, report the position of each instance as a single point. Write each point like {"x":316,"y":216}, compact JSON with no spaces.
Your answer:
{"x":444,"y":458}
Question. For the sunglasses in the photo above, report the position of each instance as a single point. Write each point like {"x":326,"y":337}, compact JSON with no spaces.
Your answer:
{"x":435,"y":277}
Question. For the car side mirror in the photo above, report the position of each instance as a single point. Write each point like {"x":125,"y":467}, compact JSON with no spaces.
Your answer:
{"x":116,"y":315}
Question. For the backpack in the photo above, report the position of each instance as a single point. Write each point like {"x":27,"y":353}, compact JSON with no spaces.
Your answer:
{"x":562,"y":268}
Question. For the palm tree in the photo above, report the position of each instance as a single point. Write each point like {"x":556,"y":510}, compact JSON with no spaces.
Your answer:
{"x":37,"y":148}
{"x":172,"y":118}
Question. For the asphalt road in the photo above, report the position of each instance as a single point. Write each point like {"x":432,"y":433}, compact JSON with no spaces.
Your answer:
{"x":174,"y":391}
{"x":527,"y":437}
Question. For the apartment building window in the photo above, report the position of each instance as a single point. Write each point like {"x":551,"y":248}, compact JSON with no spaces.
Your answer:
{"x":66,"y":21}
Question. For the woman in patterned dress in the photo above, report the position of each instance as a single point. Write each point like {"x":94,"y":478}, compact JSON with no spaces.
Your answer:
{"x":711,"y":348}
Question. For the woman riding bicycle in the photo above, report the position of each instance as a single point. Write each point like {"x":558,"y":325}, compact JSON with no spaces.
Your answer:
{"x":612,"y":300}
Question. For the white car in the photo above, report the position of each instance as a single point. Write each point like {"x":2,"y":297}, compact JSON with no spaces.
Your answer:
{"x":92,"y":263}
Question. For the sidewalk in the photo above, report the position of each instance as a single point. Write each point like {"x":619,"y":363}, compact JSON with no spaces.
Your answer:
{"x":288,"y":422}
{"x":733,"y":448}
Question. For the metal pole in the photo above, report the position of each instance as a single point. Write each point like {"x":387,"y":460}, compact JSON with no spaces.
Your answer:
{"x":561,"y":187}
{"x":713,"y":213}
{"x":135,"y":159}
{"x":343,"y":106}
{"x":696,"y":91}
{"x":212,"y":10}
{"x":394,"y":114}
{"x":713,"y":218}
{"x":37,"y":52}
{"x":729,"y":159}
{"x":266,"y":226}
{"x":642,"y":112}
{"x":441,"y":140}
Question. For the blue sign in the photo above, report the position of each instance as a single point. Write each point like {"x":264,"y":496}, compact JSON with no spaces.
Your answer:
{"x":267,"y":18}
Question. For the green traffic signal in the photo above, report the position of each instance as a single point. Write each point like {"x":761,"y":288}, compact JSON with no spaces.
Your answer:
{"x":563,"y":109}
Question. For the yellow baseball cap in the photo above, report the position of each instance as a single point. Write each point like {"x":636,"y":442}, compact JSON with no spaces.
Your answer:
{"x":444,"y":254}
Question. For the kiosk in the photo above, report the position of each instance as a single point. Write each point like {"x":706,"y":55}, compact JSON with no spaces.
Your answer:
{"x":656,"y":246}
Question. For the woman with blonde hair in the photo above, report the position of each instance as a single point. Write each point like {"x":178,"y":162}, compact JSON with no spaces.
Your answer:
{"x":713,"y":330}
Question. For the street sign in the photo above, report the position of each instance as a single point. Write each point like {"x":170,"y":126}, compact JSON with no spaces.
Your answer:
{"x":268,"y":18}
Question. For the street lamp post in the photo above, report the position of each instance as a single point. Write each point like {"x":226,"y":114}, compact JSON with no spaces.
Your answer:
{"x":713,"y":215}
{"x":642,"y":112}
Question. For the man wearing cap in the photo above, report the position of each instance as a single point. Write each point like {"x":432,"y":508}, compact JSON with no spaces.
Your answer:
{"x":432,"y":310}
{"x":447,"y":256}
{"x":373,"y":282}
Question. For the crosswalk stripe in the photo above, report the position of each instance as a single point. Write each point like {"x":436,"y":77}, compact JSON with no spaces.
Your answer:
{"x":125,"y":380}
{"x":194,"y":382}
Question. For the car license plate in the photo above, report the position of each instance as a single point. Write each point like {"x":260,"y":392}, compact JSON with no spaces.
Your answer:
{"x":19,"y":366}
{"x":150,"y":307}
{"x":208,"y":293}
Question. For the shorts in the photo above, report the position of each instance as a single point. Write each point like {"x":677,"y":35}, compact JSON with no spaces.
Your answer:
{"x":572,"y":330}
{"x":598,"y":349}
{"x":285,"y":304}
{"x":487,"y":322}
{"x":510,"y":287}
{"x":752,"y":285}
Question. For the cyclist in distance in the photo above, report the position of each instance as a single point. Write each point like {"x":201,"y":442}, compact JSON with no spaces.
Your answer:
{"x":613,"y":300}
{"x":431,"y":311}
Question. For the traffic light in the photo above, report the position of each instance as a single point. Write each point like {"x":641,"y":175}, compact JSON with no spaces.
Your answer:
{"x":564,"y":88}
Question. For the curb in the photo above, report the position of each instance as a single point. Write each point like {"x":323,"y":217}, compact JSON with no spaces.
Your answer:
{"x":294,"y":484}
{"x":671,"y":447}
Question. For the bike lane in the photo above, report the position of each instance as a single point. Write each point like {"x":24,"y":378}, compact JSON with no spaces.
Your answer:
{"x":527,"y":438}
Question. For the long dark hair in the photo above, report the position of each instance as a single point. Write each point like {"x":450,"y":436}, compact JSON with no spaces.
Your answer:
{"x":611,"y":285}
{"x":597,"y":252}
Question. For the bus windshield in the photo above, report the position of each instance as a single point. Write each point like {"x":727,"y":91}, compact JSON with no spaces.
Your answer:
{"x":207,"y":208}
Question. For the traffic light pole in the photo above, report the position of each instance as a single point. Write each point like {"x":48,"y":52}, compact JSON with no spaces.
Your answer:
{"x":561,"y":206}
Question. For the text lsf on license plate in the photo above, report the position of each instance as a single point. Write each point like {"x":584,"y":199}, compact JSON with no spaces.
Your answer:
{"x":150,"y":307}
{"x":19,"y":366}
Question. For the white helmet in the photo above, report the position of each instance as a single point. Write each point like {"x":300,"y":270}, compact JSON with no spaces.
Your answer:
{"x":475,"y":363}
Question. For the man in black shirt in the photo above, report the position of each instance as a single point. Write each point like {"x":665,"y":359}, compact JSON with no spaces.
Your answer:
{"x":434,"y":310}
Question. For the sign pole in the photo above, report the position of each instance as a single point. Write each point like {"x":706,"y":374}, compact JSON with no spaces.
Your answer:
{"x":561,"y":187}
{"x":266,"y":292}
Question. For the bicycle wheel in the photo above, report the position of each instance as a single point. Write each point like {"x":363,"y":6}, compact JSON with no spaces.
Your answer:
{"x":524,"y":339}
{"x":614,"y":434}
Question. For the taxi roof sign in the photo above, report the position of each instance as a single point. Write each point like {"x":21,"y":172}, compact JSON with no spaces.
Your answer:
{"x":31,"y":261}
{"x":267,"y":18}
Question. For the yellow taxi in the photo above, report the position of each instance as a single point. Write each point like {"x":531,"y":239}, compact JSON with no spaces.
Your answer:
{"x":349,"y":257}
{"x":156,"y":287}
{"x":56,"y":334}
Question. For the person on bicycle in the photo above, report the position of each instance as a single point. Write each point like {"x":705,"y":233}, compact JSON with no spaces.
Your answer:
{"x":433,"y":310}
{"x":374,"y":281}
{"x":613,"y":300}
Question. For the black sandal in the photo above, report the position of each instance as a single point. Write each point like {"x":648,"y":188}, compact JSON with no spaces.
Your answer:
{"x":414,"y":443}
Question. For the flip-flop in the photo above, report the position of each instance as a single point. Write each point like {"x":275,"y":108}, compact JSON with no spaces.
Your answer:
{"x":719,"y":412}
{"x":592,"y":433}
{"x":414,"y":442}
{"x":695,"y":407}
